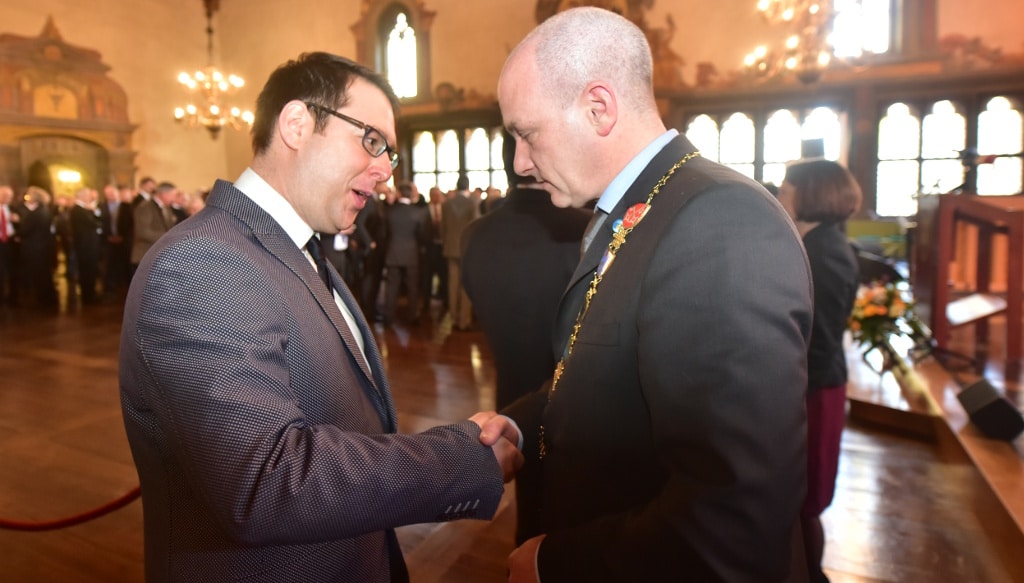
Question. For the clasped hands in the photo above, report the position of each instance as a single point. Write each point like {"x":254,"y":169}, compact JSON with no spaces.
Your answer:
{"x":502,"y":436}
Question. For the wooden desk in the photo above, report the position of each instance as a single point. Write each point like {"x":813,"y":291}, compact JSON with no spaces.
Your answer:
{"x":922,"y":402}
{"x":992,"y":215}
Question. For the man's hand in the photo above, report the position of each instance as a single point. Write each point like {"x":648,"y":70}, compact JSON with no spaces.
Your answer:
{"x":522,"y":563}
{"x":498,"y":433}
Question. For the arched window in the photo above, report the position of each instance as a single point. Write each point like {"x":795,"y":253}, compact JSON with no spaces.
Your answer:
{"x":393,"y":38}
{"x":400,"y":57}
{"x":439,"y":156}
{"x":927,"y":154}
{"x":781,"y":133}
{"x":1000,"y":143}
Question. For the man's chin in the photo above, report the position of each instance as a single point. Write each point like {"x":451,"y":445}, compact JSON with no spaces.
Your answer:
{"x":559,"y":198}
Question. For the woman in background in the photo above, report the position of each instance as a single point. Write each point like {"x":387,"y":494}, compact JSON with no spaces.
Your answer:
{"x":820,"y":195}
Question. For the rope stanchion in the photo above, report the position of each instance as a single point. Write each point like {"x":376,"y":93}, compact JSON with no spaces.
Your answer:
{"x":107,"y":508}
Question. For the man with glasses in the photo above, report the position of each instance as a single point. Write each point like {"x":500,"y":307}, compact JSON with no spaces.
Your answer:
{"x":254,"y":395}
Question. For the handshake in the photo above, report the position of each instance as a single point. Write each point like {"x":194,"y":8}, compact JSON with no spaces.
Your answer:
{"x":499,"y":433}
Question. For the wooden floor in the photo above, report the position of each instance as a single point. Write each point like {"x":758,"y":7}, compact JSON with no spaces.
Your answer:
{"x":900,"y":512}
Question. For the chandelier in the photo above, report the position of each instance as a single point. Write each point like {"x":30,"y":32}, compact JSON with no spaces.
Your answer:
{"x":208,"y":88}
{"x":807,"y":50}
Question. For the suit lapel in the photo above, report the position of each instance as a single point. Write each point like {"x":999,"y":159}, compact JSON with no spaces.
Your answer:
{"x":375,"y":369}
{"x":575,"y":292}
{"x":278,"y":244}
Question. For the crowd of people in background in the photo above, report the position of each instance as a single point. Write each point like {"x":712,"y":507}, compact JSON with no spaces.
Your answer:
{"x":396,"y":259}
{"x":89,"y":239}
{"x":403,"y":253}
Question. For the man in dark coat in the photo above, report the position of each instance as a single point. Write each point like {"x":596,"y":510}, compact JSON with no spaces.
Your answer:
{"x":516,"y":262}
{"x":672,"y":438}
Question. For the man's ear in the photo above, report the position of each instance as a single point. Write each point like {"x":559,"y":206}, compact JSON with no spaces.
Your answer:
{"x":602,"y":107}
{"x":295,"y":123}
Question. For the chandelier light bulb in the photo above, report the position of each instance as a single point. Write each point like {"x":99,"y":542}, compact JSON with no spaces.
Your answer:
{"x":212,"y":88}
{"x":806,"y":48}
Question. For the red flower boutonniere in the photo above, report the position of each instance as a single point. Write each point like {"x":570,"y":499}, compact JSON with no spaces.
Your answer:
{"x":634,"y":215}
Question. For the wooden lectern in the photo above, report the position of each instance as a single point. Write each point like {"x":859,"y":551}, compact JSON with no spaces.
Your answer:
{"x":936,"y":238}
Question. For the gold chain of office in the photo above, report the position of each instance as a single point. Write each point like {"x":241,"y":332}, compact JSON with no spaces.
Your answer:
{"x":618,"y":240}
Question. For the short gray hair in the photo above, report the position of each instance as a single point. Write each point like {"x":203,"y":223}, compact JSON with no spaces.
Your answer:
{"x":584,"y":44}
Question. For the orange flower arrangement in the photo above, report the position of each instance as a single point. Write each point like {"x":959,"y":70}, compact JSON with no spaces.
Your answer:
{"x":879,"y":309}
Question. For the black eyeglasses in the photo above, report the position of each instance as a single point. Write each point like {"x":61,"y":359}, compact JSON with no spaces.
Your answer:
{"x":374,"y":142}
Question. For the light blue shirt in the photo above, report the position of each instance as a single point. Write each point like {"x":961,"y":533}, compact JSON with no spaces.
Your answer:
{"x":618,"y":186}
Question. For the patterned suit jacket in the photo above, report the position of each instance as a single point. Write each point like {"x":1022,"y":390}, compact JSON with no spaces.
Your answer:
{"x":264,"y":441}
{"x":676,"y":435}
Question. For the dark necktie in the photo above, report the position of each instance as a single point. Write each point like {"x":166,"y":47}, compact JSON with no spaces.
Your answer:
{"x":592,"y":228}
{"x":313,"y":246}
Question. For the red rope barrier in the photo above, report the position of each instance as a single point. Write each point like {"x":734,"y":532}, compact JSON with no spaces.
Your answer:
{"x":73,"y":520}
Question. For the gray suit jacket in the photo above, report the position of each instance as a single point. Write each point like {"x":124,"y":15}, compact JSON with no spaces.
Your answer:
{"x":263,"y":439}
{"x":676,"y":435}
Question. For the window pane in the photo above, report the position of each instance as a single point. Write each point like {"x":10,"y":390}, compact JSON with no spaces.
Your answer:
{"x":1001,"y":177}
{"x":479,"y":179}
{"x":781,"y":137}
{"x":497,"y":144}
{"x":446,"y":180}
{"x":774,"y":173}
{"x":703,"y":132}
{"x":999,"y":128}
{"x":424,"y":182}
{"x":478,"y":149}
{"x":401,"y":58}
{"x":499,"y":180}
{"x":823,"y":123}
{"x":943,"y":132}
{"x":897,"y":188}
{"x":738,"y":140}
{"x":448,"y":152}
{"x":861,"y":26}
{"x":899,"y":134}
{"x":939,"y":176}
{"x":423,"y":151}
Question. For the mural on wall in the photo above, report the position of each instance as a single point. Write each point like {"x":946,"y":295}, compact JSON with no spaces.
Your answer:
{"x":58,"y":94}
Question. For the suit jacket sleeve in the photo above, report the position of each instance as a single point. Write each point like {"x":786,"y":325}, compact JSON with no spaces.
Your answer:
{"x":226,"y":355}
{"x":722,"y":316}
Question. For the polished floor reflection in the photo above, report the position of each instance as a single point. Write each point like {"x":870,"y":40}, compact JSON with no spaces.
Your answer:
{"x":900,"y":512}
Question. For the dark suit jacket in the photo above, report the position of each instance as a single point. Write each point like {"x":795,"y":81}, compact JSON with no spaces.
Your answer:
{"x":516,"y":262}
{"x":407,"y":232}
{"x":86,"y":234}
{"x":836,"y":279}
{"x":263,"y":439}
{"x":676,"y":436}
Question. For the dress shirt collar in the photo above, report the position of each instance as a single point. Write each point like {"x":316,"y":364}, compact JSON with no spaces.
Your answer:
{"x":268,"y":199}
{"x":621,"y":183}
